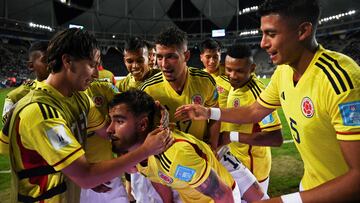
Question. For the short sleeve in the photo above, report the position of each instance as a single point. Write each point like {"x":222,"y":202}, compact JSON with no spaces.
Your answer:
{"x":95,"y":119}
{"x":269,"y":98}
{"x":271,"y":122}
{"x":49,"y":137}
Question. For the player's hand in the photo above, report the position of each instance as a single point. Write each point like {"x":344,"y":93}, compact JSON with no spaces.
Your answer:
{"x":102,"y":188}
{"x":157,"y":141}
{"x":192,"y":112}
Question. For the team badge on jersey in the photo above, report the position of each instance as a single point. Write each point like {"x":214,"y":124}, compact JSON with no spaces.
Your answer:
{"x":350,"y":113}
{"x":307,"y":107}
{"x":98,"y":100}
{"x":236,"y":102}
{"x":165,"y":178}
{"x":184,"y":173}
{"x":58,"y":137}
{"x":197,"y":99}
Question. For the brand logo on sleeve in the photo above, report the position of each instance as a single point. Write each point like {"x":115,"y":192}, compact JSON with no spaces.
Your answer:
{"x":197,"y":99}
{"x":350,"y":113}
{"x":184,"y":173}
{"x":58,"y":137}
{"x":307,"y":107}
{"x":165,"y":178}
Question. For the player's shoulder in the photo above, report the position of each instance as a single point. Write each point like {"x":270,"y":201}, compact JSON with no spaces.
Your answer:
{"x":340,"y":72}
{"x":199,"y":74}
{"x":38,"y":112}
{"x":102,"y":85}
{"x":152,"y":81}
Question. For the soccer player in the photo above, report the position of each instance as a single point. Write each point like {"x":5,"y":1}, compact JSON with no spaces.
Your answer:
{"x":189,"y":166}
{"x":136,"y":58}
{"x":106,"y":74}
{"x":246,"y":138}
{"x":210,"y":56}
{"x":318,"y":90}
{"x":49,"y":124}
{"x":178,"y":84}
{"x":38,"y":66}
{"x":152,"y":54}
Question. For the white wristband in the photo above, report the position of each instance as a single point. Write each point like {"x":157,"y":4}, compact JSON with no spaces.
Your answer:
{"x":215,"y":113}
{"x":291,"y":198}
{"x":234,"y":136}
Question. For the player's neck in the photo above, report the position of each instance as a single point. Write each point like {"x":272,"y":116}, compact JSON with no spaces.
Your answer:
{"x":57,"y":81}
{"x":304,"y":60}
{"x":179,"y":83}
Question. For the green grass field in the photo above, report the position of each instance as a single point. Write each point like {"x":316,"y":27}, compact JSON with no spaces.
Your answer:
{"x":286,"y":172}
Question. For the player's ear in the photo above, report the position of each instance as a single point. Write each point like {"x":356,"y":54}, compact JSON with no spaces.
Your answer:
{"x":187,"y":55}
{"x":66,"y":61}
{"x":305,"y":30}
{"x":143,"y":125}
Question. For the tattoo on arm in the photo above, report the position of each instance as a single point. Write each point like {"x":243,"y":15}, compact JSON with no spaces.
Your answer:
{"x":212,"y":187}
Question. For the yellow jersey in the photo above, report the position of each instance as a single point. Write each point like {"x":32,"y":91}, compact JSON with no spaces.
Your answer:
{"x":97,"y":148}
{"x":130,"y":82}
{"x":46,"y":131}
{"x":321,"y":108}
{"x":184,"y":167}
{"x":256,"y":158}
{"x":106,"y":74}
{"x":199,"y":88}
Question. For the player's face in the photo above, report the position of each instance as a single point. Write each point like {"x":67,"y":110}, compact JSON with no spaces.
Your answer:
{"x":83,"y":72}
{"x":136,"y":63}
{"x":171,"y":61}
{"x":238,"y":70}
{"x":152,"y":58}
{"x":211,"y":60}
{"x":122,"y":129}
{"x":36,"y":63}
{"x":280,"y":39}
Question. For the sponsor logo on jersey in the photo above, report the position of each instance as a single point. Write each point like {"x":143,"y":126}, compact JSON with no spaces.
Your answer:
{"x":184,"y":173}
{"x":58,"y":137}
{"x":350,"y":113}
{"x":165,"y":178}
{"x":197,"y":99}
{"x":307,"y":107}
{"x":236,"y":102}
{"x":98,"y":100}
{"x":268,"y":119}
{"x":220,"y":89}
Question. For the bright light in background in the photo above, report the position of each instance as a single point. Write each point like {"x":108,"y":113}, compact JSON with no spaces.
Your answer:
{"x":63,"y":1}
{"x":248,"y":10}
{"x":250,"y":32}
{"x":34,"y":25}
{"x":113,"y":36}
{"x":337,"y":17}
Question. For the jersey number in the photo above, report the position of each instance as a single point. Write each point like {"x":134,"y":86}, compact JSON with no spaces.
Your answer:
{"x":295,"y":134}
{"x":232,"y":160}
{"x":185,"y":124}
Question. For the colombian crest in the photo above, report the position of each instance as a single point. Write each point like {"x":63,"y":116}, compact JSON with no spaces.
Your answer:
{"x":98,"y":100}
{"x":197,"y":99}
{"x":307,"y":107}
{"x":236,"y":102}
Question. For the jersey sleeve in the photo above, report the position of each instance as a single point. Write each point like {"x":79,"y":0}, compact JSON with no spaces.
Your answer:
{"x":189,"y":166}
{"x":49,"y":136}
{"x":271,"y":122}
{"x":95,"y":119}
{"x":8,"y":105}
{"x":212,"y":99}
{"x":269,"y":98}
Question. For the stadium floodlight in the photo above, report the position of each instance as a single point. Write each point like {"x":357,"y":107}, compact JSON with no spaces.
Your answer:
{"x":45,"y":27}
{"x":249,"y":32}
{"x":218,"y":33}
{"x":337,"y":17}
{"x":76,"y":26}
{"x":113,"y":36}
{"x":248,"y":10}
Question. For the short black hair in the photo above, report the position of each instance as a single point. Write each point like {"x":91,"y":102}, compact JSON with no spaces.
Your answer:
{"x":138,"y":102}
{"x":239,"y":51}
{"x":75,"y":42}
{"x":210,"y":44}
{"x":150,"y":44}
{"x":302,"y":10}
{"x":172,"y":37}
{"x":134,"y":44}
{"x":38,"y":46}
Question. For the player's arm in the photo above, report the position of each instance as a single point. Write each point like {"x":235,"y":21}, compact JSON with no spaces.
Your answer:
{"x":216,"y":189}
{"x":90,"y":175}
{"x":164,"y":192}
{"x":263,"y":138}
{"x":248,"y":114}
{"x":214,"y":131}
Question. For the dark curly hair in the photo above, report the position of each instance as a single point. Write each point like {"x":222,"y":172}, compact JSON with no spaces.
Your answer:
{"x":300,"y":10}
{"x":210,"y":44}
{"x":75,"y":42}
{"x":239,"y":51}
{"x":134,"y":44}
{"x":138,"y":102}
{"x":173,"y":37}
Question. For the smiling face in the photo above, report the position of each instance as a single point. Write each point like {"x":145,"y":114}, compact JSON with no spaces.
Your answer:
{"x":280,"y":39}
{"x":172,"y":62}
{"x":123,"y":129}
{"x":136,"y":63}
{"x":238,"y":70}
{"x":211,"y":59}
